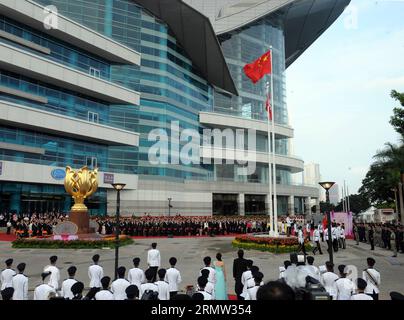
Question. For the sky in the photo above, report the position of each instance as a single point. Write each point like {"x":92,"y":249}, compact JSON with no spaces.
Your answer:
{"x":338,"y":91}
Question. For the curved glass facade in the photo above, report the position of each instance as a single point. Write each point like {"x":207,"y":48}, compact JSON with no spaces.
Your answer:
{"x":243,"y":46}
{"x":172,"y":89}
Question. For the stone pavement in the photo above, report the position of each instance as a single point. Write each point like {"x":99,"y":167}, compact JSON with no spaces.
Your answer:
{"x":190,"y":253}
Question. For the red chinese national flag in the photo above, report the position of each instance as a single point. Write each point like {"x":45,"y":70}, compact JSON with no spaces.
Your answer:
{"x":260,"y":67}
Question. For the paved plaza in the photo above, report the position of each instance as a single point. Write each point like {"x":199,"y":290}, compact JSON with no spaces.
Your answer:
{"x":190,"y":252}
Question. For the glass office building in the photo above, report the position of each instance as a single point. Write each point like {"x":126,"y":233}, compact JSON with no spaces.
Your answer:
{"x":121,"y":69}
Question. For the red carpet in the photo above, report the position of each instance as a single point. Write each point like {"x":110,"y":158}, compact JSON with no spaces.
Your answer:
{"x":185,"y":237}
{"x":7,"y":237}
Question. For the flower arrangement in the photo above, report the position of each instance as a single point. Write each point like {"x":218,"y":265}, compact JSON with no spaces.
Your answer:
{"x":269,"y":244}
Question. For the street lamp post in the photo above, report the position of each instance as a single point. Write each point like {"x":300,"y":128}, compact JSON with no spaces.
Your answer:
{"x":169,"y":206}
{"x":118,"y":187}
{"x":327,"y":186}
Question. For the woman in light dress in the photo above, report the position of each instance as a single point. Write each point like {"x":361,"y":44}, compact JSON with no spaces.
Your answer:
{"x":220,"y":286}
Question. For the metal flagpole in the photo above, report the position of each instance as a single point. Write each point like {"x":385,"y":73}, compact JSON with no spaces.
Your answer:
{"x":273,"y":148}
{"x":343,"y":199}
{"x":347,"y":193}
{"x":269,"y":166}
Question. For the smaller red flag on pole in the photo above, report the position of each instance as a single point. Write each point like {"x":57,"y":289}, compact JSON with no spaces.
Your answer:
{"x":268,"y":107}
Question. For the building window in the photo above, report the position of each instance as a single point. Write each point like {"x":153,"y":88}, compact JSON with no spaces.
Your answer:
{"x":91,"y":162}
{"x":95,"y":72}
{"x":93,"y":116}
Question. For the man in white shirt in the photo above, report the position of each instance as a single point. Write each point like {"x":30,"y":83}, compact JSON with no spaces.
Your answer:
{"x":7,"y":275}
{"x":162,"y":285}
{"x":360,"y":295}
{"x":316,"y":239}
{"x":104,"y":294}
{"x":173,"y":277}
{"x":55,"y":273}
{"x":44,"y":290}
{"x":252,"y":291}
{"x":300,"y":238}
{"x":338,"y":234}
{"x":312,"y":270}
{"x":210,"y":287}
{"x":95,"y":273}
{"x":321,"y":230}
{"x":345,"y":287}
{"x":212,"y":272}
{"x":372,"y":277}
{"x":149,"y":285}
{"x":20,"y":284}
{"x":334,"y":238}
{"x":136,"y":275}
{"x":118,"y":287}
{"x":66,"y":291}
{"x":202,"y":281}
{"x":328,"y":280}
{"x":153,"y":260}
{"x":288,"y":225}
{"x":247,"y":275}
{"x":342,"y":236}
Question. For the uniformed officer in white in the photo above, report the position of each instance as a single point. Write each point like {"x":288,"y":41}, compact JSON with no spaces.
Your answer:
{"x":43,"y":291}
{"x":252,"y":290}
{"x":345,"y":286}
{"x":162,"y":285}
{"x":136,"y":275}
{"x":360,"y":295}
{"x":316,"y":239}
{"x":300,"y":238}
{"x":118,"y":287}
{"x":212,"y":272}
{"x":105,"y":293}
{"x":321,"y":230}
{"x":312,"y":270}
{"x":95,"y":273}
{"x":154,"y":259}
{"x":55,"y":273}
{"x":7,"y":275}
{"x":20,"y":284}
{"x":342,"y":236}
{"x":173,"y":277}
{"x":210,"y":287}
{"x":246,"y":275}
{"x":67,"y":284}
{"x":149,"y":285}
{"x":328,"y":280}
{"x":372,"y":277}
{"x":202,"y":281}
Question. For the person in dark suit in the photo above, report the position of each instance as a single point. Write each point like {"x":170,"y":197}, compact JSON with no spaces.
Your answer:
{"x":239,"y":266}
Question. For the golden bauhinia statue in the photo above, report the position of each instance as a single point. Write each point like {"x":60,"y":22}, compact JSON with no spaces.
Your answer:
{"x":80,"y":185}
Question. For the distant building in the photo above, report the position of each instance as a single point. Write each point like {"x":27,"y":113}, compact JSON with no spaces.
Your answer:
{"x":334,"y":194}
{"x":312,"y":177}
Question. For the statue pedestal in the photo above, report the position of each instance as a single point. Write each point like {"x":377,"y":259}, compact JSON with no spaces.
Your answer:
{"x":82,"y":220}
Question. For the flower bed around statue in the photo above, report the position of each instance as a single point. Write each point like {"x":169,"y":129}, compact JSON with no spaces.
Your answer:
{"x":49,"y":243}
{"x":269,"y":244}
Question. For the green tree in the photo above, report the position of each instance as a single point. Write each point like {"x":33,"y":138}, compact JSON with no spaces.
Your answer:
{"x":397,"y":120}
{"x":325,"y":207}
{"x":357,"y":203}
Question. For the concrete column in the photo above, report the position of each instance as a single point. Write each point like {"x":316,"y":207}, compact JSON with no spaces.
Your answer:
{"x":307,"y":207}
{"x":241,"y":204}
{"x":291,"y":204}
{"x":318,"y":206}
